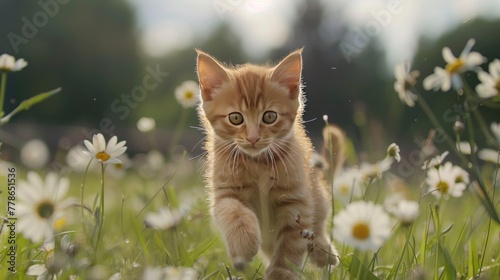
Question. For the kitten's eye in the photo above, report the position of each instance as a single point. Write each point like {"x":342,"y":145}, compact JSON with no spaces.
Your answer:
{"x":269,"y":117}
{"x":236,"y":118}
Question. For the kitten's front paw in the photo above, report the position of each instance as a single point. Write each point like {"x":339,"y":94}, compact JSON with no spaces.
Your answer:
{"x":243,"y":243}
{"x":239,"y":263}
{"x":280,"y":273}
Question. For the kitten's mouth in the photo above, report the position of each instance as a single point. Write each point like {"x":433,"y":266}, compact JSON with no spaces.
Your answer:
{"x":252,"y":151}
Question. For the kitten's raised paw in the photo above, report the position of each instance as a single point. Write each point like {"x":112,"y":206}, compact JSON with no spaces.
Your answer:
{"x":239,"y":263}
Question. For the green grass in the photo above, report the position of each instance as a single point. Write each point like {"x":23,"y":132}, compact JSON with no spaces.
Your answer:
{"x":453,"y":239}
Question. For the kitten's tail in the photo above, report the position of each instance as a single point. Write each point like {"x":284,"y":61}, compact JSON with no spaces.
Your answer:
{"x":333,"y":151}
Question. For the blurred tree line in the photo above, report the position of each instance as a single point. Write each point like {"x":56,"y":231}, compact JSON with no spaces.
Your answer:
{"x":90,"y":49}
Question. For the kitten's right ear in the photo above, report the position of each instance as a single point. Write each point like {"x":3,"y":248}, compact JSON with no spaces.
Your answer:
{"x":211,"y":75}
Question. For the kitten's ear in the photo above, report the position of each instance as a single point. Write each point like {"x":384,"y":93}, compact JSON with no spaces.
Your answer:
{"x":288,"y":73}
{"x":211,"y":75}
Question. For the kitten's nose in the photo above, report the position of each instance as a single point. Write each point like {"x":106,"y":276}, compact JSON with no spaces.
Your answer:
{"x":253,"y":134}
{"x":253,"y":139}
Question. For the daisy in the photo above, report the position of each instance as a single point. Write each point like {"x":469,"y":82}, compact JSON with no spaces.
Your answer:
{"x":55,"y":262}
{"x":119,"y":169}
{"x":461,"y":176}
{"x":445,"y":181}
{"x":164,"y":219}
{"x":465,"y":148}
{"x":406,"y":211}
{"x":105,"y":153}
{"x":393,"y":152}
{"x":363,"y":225}
{"x":146,"y":124}
{"x":404,"y":80}
{"x":489,"y":155}
{"x":187,"y":94}
{"x":180,"y":273}
{"x":77,"y":159}
{"x":347,"y":185}
{"x":35,"y":154}
{"x":370,"y":171}
{"x":490,"y":82}
{"x":8,"y":63}
{"x":41,"y":205}
{"x":435,"y":161}
{"x":450,"y":75}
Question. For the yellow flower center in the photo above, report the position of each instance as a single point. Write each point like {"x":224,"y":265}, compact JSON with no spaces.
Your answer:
{"x":102,"y":156}
{"x":497,"y":86}
{"x":118,"y":165}
{"x":459,"y":179}
{"x":443,"y":187}
{"x":344,"y":189}
{"x":455,"y":66}
{"x":59,"y":223}
{"x":189,"y":95}
{"x":45,"y":209}
{"x":361,"y":231}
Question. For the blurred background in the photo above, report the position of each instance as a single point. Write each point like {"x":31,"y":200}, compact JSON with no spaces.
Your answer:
{"x":100,"y":52}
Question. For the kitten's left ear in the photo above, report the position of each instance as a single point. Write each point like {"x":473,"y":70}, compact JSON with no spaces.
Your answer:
{"x":211,"y":75}
{"x":288,"y":73}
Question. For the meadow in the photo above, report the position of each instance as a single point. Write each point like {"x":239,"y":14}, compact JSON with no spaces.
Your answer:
{"x":105,"y":215}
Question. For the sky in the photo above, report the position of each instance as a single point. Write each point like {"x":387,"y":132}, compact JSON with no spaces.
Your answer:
{"x":167,"y":25}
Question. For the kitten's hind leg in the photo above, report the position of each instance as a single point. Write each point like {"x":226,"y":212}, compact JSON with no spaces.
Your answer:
{"x":290,"y":246}
{"x":321,"y":248}
{"x":239,"y":227}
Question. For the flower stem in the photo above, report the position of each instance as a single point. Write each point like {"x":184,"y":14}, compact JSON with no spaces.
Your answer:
{"x":101,"y":220}
{"x":475,"y":111}
{"x":2,"y":92}
{"x":179,"y":128}
{"x":437,"y":124}
{"x":473,"y":170}
{"x":82,"y":192}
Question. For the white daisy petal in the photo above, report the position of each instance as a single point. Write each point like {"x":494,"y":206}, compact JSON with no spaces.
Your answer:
{"x":20,"y":64}
{"x":468,"y":47}
{"x":494,"y":69}
{"x":489,"y":155}
{"x":485,"y":78}
{"x":485,"y":91}
{"x":448,"y":55}
{"x":35,"y":181}
{"x":474,"y":59}
{"x":36,"y":270}
{"x":495,"y":128}
{"x":89,"y":146}
{"x":490,"y":82}
{"x":112,"y":142}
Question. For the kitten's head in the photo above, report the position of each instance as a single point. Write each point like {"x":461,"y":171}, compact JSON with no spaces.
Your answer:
{"x":252,"y":107}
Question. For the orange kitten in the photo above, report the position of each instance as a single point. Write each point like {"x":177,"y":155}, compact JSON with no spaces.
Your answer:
{"x":262,"y":191}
